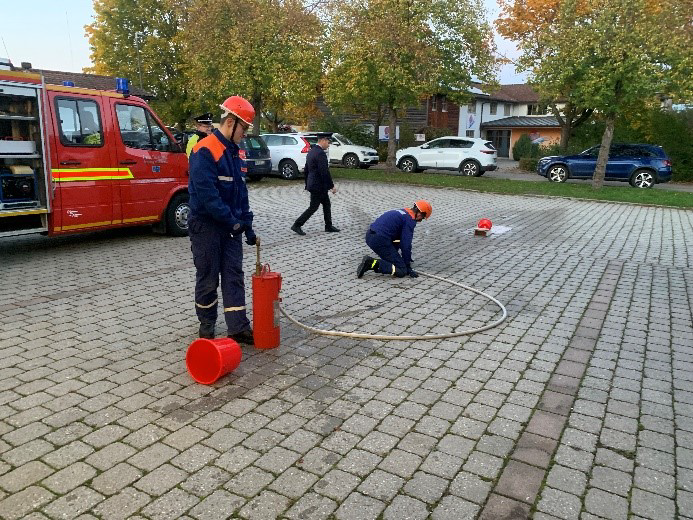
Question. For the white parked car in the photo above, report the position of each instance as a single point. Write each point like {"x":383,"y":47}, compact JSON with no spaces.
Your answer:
{"x":343,"y":151}
{"x":468,"y":155}
{"x":288,"y":153}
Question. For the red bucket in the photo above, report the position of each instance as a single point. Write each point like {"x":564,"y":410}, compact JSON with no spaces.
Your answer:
{"x":209,"y":359}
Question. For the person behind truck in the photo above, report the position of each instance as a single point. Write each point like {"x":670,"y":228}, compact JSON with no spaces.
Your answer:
{"x":319,"y":184}
{"x":391,"y":231}
{"x":219,"y":215}
{"x":203,"y":127}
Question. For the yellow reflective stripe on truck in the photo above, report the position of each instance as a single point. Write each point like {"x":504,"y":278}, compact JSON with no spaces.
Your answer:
{"x":91,"y":174}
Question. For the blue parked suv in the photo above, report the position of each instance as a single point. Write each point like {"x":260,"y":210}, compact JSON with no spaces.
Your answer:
{"x":643,"y":165}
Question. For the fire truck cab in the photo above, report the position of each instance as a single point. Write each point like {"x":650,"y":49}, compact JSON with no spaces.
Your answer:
{"x":75,"y":160}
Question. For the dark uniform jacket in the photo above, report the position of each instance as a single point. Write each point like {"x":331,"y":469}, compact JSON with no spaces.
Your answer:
{"x":318,"y":178}
{"x":217,"y":187}
{"x":397,"y":224}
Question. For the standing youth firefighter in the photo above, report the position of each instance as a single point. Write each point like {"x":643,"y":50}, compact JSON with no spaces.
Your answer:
{"x":219,"y":215}
{"x":203,"y":127}
{"x":391,"y":231}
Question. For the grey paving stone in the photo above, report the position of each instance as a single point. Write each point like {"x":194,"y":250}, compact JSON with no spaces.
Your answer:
{"x":170,"y":506}
{"x":606,"y":505}
{"x":24,"y":476}
{"x":74,"y":503}
{"x":520,"y":481}
{"x":116,"y":478}
{"x":337,"y":485}
{"x":406,"y":508}
{"x":123,"y":505}
{"x":400,"y":463}
{"x":19,"y":505}
{"x":358,"y":506}
{"x":499,"y":507}
{"x":313,"y":506}
{"x":69,"y":478}
{"x":217,"y":506}
{"x":649,"y":505}
{"x":293,"y":483}
{"x":567,"y":479}
{"x":381,"y":485}
{"x":559,"y":503}
{"x":425,"y":487}
{"x":160,"y":480}
{"x":455,"y":507}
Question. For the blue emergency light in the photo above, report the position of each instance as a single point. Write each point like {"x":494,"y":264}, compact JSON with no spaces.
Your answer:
{"x":122,"y":86}
{"x":68,"y":83}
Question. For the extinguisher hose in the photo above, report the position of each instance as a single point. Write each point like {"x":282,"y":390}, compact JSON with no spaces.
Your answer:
{"x":384,"y":337}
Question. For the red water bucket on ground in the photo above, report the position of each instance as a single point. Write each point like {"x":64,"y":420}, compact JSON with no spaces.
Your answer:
{"x":209,"y":359}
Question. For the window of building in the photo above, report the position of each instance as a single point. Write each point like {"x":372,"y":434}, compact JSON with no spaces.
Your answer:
{"x":469,"y":133}
{"x":494,"y":108}
{"x":536,"y":110}
{"x":506,"y":109}
{"x":139,"y":129}
{"x":444,"y":104}
{"x":434,"y":106}
{"x":471,"y":107}
{"x":80,"y":122}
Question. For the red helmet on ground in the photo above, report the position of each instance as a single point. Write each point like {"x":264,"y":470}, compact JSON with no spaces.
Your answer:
{"x":424,"y":207}
{"x":484,"y":223}
{"x":239,"y":107}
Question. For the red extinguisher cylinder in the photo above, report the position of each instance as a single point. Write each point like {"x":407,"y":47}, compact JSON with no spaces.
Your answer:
{"x":266,"y":287}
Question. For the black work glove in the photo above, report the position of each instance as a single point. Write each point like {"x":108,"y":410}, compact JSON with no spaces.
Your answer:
{"x":412,"y":273}
{"x":250,"y":237}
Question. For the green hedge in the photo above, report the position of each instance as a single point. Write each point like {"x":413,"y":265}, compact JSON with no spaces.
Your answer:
{"x":529,"y":164}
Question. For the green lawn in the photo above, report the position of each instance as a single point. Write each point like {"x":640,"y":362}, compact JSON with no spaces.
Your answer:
{"x":624,"y":193}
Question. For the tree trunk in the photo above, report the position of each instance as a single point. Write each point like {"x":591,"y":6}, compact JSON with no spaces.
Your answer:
{"x":565,"y":135}
{"x":257,"y":105}
{"x":376,"y":130}
{"x":391,"y":143}
{"x":600,"y":170}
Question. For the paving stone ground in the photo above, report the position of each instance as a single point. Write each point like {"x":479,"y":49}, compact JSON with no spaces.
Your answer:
{"x":578,"y":406}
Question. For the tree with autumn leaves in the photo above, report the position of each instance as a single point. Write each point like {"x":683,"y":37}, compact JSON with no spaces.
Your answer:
{"x":610,"y":56}
{"x":389,"y":54}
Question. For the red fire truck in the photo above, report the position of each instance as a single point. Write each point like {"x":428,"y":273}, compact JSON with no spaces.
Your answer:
{"x":75,"y":159}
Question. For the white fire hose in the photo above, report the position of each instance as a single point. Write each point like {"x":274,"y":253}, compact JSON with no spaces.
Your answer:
{"x":384,"y":337}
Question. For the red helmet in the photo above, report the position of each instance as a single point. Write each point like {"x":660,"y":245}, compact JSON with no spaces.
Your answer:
{"x":239,"y":107}
{"x":424,"y":207}
{"x":484,"y":223}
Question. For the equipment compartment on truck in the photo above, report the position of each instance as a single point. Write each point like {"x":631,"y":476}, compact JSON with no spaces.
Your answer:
{"x":23,"y":189}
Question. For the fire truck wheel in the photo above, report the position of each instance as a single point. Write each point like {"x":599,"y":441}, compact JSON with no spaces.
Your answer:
{"x":177,"y":215}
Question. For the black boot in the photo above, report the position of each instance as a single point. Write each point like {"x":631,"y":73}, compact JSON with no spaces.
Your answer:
{"x":297,"y":229}
{"x":244,"y":337}
{"x":207,"y":330}
{"x":367,"y":263}
{"x":331,"y":229}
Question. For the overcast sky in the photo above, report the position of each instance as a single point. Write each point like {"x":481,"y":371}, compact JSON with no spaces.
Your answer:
{"x":50,"y":35}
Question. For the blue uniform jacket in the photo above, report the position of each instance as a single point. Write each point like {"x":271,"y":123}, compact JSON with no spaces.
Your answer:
{"x":217,"y":187}
{"x":318,"y":178}
{"x":397,"y":224}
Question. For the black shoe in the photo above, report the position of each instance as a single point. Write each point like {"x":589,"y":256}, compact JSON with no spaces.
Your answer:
{"x":244,"y":337}
{"x":297,"y":229}
{"x":207,"y":330}
{"x":331,"y":229}
{"x":364,"y":266}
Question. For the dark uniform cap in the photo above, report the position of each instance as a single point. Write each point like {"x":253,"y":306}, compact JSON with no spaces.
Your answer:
{"x":324,"y":135}
{"x":205,"y":119}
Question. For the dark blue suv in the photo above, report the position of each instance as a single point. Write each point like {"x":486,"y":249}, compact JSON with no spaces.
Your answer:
{"x":643,"y":165}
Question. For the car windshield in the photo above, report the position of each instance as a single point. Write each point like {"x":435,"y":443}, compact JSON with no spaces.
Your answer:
{"x":343,"y":139}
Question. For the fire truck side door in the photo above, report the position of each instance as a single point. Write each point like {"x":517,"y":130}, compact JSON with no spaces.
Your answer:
{"x":148,"y":151}
{"x":82,"y":163}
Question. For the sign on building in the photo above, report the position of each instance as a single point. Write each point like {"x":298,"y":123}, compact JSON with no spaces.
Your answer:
{"x":384,"y":133}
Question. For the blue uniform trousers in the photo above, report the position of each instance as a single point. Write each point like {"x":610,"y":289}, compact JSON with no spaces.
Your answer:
{"x":216,"y":253}
{"x":387,"y":251}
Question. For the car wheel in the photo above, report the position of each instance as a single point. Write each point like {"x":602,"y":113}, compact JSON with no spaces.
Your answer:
{"x":288,"y":169}
{"x":408,"y":164}
{"x":470,"y":168}
{"x":351,"y":161}
{"x":177,"y":214}
{"x":642,"y":179}
{"x":558,"y":173}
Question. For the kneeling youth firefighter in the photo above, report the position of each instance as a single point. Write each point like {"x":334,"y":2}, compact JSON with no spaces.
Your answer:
{"x":390,"y":232}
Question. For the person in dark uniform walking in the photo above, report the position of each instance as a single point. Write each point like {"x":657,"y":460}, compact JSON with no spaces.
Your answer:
{"x":203,"y":127}
{"x":391,"y":231}
{"x":219,"y":215}
{"x":319,"y":184}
